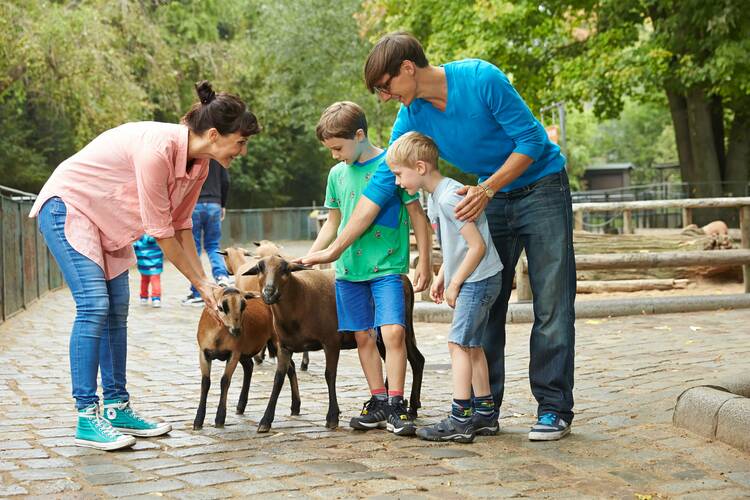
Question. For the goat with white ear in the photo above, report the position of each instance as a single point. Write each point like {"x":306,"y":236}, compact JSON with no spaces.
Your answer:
{"x":246,"y":328}
{"x":303,"y":303}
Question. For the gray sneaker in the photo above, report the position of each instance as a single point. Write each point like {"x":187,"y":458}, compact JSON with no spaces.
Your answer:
{"x":448,"y":430}
{"x":486,"y":426}
{"x":549,"y":427}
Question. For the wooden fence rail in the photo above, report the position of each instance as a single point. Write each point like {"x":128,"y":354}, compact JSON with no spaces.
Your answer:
{"x":662,"y":259}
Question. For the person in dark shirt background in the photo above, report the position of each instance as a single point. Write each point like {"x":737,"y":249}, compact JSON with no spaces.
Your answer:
{"x":207,"y":217}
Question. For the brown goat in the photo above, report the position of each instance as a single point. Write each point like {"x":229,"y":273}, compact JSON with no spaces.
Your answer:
{"x":303,"y":303}
{"x":246,"y":328}
{"x":238,"y":261}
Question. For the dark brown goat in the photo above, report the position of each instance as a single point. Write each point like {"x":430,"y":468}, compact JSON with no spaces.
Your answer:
{"x":246,"y":328}
{"x":239,"y":260}
{"x":303,"y":304}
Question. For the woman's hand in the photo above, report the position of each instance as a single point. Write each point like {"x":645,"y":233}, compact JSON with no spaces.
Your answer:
{"x":474,"y":202}
{"x":207,"y":290}
{"x":451,"y":294}
{"x":437,"y":290}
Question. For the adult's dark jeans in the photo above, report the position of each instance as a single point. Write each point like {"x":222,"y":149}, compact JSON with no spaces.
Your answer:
{"x":207,"y":227}
{"x":539,"y":219}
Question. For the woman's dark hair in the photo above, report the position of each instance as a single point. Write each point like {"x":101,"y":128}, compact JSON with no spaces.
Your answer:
{"x":224,"y":112}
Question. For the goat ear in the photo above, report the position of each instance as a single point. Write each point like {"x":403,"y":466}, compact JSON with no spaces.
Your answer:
{"x":253,"y":271}
{"x":250,"y":295}
{"x":256,"y":243}
{"x":222,"y":252}
{"x":294,"y":267}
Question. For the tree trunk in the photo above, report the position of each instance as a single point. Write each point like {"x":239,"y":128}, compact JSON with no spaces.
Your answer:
{"x":738,"y":157}
{"x":717,"y":124}
{"x":707,"y":178}
{"x":678,"y":109}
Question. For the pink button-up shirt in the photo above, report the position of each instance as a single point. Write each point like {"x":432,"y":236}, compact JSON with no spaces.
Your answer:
{"x":130,"y":180}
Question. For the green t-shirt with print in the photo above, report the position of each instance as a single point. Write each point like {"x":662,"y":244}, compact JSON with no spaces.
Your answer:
{"x":383,"y":248}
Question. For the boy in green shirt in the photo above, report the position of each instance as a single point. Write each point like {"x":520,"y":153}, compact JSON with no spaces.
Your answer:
{"x":369,"y":290}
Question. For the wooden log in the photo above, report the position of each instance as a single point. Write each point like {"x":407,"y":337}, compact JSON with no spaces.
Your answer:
{"x":745,"y":243}
{"x":578,"y":218}
{"x":627,"y":222}
{"x":661,"y":259}
{"x":630,"y":285}
{"x":612,"y":206}
{"x":687,"y":216}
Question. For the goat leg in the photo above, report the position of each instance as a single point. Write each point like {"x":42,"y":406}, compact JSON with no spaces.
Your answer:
{"x":332,"y":361}
{"x":258,"y":358}
{"x":294,"y":385}
{"x":247,"y":367}
{"x":305,"y":361}
{"x":200,"y":415}
{"x":416,"y":361}
{"x":226,"y":379}
{"x":282,"y":367}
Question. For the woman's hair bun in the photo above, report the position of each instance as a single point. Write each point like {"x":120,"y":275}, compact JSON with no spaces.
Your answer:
{"x":205,"y":92}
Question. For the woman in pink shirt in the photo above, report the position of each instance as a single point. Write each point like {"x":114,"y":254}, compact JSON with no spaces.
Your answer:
{"x":137,"y":178}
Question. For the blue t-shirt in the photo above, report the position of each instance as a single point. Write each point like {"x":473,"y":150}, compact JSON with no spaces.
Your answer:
{"x":484,"y":122}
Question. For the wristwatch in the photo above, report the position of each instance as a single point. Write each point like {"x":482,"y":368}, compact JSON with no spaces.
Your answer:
{"x":489,"y":192}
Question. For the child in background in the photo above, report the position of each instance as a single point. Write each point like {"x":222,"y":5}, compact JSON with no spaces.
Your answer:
{"x":150,"y":265}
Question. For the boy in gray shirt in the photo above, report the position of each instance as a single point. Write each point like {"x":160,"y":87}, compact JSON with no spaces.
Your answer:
{"x":471,"y":268}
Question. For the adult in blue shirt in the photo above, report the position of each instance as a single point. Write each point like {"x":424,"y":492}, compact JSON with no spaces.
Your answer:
{"x":482,"y":126}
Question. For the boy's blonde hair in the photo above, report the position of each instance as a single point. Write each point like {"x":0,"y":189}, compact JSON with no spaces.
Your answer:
{"x":410,"y":148}
{"x":341,"y":120}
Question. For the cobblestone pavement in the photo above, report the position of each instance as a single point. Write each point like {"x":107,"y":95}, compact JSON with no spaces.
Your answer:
{"x":629,"y":373}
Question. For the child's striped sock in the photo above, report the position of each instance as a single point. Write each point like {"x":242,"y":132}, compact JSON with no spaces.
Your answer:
{"x":461,"y":410}
{"x":484,"y":405}
{"x":380,"y":394}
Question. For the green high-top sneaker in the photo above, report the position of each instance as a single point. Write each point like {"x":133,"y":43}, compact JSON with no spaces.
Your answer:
{"x":126,"y":420}
{"x":93,"y":431}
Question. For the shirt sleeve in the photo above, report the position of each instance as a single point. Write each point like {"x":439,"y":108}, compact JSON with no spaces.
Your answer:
{"x":382,"y":185}
{"x":183,"y":212}
{"x":152,"y":177}
{"x":332,"y":200}
{"x":448,"y":202}
{"x":407,"y":198}
{"x":511,"y":112}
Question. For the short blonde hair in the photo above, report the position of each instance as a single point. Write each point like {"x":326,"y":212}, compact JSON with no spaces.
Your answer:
{"x":410,"y":148}
{"x":341,"y":120}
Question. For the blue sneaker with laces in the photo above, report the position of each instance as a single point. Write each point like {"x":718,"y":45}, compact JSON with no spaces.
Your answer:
{"x":549,"y":427}
{"x":124,"y":419}
{"x":94,"y":431}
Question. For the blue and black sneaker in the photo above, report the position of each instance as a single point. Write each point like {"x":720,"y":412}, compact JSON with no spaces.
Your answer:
{"x":549,"y":427}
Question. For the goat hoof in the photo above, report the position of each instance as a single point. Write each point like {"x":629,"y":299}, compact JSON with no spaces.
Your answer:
{"x":303,"y":367}
{"x":197,"y":427}
{"x":332,"y":425}
{"x":219,"y":425}
{"x":263,"y":428}
{"x":240,"y":412}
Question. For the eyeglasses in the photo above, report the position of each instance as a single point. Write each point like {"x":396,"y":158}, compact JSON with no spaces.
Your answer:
{"x":385,"y":88}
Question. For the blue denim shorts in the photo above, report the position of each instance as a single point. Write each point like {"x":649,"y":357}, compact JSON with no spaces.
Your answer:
{"x":473,"y":310}
{"x":363,"y":305}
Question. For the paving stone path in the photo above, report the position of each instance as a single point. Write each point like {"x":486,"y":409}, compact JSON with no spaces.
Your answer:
{"x":630,"y":371}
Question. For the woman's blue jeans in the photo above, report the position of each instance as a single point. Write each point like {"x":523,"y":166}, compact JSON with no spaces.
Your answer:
{"x":99,"y":336}
{"x":537,"y":218}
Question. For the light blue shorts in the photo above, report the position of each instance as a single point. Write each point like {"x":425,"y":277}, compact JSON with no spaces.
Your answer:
{"x":473,"y":311}
{"x":363,"y":305}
